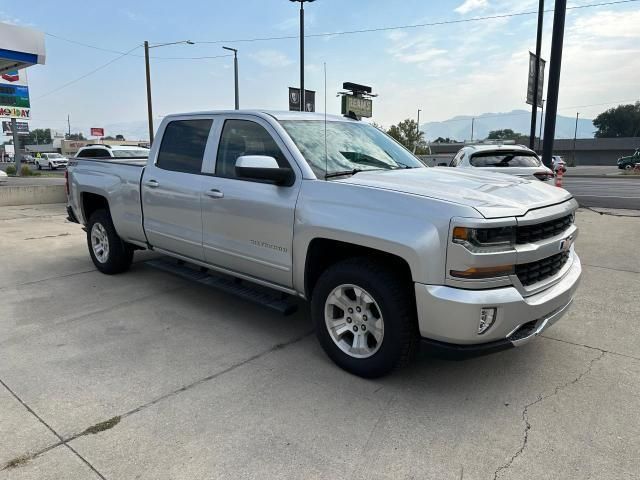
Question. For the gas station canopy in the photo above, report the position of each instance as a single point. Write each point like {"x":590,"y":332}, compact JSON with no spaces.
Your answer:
{"x":20,"y":47}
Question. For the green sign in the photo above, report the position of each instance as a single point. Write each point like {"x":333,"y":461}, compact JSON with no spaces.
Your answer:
{"x":362,"y":107}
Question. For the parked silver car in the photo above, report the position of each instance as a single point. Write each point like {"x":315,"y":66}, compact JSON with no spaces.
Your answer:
{"x":515,"y":160}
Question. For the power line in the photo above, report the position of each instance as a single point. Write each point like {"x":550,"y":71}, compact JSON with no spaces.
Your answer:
{"x":415,"y":25}
{"x":105,"y":65}
{"x":346,"y":32}
{"x":95,"y":47}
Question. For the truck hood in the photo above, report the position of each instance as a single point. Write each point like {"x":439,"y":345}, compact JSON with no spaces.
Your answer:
{"x":494,"y":195}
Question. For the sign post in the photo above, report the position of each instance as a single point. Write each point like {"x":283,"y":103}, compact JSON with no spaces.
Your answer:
{"x":16,"y":145}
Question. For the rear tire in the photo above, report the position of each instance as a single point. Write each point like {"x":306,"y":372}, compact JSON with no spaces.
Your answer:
{"x":109,"y":253}
{"x":387,"y":312}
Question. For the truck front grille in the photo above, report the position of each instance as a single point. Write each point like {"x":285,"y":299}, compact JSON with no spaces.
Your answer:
{"x":540,"y":231}
{"x":534,"y":272}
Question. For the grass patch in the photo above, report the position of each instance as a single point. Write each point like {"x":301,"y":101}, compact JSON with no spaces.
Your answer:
{"x":630,"y":172}
{"x":102,"y":426}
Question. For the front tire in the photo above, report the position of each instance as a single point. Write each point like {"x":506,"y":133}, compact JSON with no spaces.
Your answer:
{"x":628,"y":166}
{"x":39,"y":166}
{"x":365,"y":317}
{"x":109,"y":253}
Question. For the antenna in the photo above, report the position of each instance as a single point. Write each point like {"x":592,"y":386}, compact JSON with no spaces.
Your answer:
{"x":325,"y":121}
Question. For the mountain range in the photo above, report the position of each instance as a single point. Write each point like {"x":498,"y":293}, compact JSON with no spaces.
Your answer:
{"x":459,"y":127}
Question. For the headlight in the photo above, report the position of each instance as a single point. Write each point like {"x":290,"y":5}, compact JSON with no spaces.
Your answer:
{"x":480,"y":240}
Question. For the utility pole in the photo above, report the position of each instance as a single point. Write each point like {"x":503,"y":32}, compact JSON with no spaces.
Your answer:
{"x":16,"y":145}
{"x":472,"y":122}
{"x":536,"y":77}
{"x":417,"y":133}
{"x":148,"y":74}
{"x":149,"y":107}
{"x":555,"y":64}
{"x":69,"y":125}
{"x":235,"y":69}
{"x":302,"y":102}
{"x":575,"y":134}
{"x":541,"y":122}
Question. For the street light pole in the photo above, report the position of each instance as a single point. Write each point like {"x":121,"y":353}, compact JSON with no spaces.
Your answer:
{"x":302,"y":101}
{"x":149,"y":108}
{"x":575,"y":134}
{"x":235,"y":69}
{"x":541,"y":122}
{"x":472,"y":122}
{"x":417,"y":132}
{"x":148,"y":73}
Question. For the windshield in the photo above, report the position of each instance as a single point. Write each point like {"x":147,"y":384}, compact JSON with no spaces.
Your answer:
{"x":142,"y":153}
{"x":349,"y":146}
{"x":53,"y":155}
{"x":505,"y":159}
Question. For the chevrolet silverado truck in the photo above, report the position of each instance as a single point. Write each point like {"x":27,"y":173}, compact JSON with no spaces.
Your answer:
{"x":389,"y":253}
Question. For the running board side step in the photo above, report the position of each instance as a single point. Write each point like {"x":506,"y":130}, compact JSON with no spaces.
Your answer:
{"x":278,"y":301}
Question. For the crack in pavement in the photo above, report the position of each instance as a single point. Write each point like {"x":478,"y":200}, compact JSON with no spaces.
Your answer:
{"x":62,"y":441}
{"x":610,"y":268}
{"x":624,"y":355}
{"x":525,"y":413}
{"x":100,"y":426}
{"x":66,"y":234}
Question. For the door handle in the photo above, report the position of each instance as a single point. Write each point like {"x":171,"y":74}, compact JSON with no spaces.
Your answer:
{"x":214,"y":193}
{"x":152,"y":184}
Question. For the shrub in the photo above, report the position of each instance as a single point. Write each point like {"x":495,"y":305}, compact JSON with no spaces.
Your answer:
{"x":25,"y":171}
{"x":11,"y":170}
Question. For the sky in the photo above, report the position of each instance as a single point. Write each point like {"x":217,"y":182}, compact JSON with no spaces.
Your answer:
{"x":445,"y":70}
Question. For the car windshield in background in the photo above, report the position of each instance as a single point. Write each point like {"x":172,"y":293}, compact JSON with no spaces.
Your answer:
{"x":142,"y":153}
{"x":505,"y":159}
{"x":54,"y":155}
{"x":349,"y":147}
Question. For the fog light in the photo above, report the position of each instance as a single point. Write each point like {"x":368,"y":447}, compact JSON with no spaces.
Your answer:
{"x":487,"y":317}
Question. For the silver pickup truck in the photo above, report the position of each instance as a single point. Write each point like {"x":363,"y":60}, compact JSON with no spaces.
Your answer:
{"x":389,"y":253}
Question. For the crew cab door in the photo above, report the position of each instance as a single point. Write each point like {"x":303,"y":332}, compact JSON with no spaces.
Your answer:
{"x":172,"y":185}
{"x":248,"y":224}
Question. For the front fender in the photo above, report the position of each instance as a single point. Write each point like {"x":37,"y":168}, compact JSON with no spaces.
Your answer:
{"x":411,"y":227}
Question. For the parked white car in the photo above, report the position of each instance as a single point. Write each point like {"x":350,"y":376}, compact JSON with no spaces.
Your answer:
{"x":515,"y":160}
{"x":112,"y":151}
{"x":51,"y":161}
{"x":3,"y":173}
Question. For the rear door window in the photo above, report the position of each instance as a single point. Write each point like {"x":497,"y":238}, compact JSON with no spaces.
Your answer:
{"x":183,"y":144}
{"x":504,"y":159}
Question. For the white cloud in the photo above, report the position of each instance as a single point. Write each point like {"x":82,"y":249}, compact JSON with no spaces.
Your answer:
{"x":271,"y":58}
{"x":471,"y":5}
{"x":609,"y":24}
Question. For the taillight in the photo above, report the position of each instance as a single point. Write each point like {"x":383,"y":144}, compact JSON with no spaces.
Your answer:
{"x":544,"y":176}
{"x":66,"y":181}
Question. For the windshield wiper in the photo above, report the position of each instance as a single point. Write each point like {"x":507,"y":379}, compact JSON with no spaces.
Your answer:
{"x":345,"y":172}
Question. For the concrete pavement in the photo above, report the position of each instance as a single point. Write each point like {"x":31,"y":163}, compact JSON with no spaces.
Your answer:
{"x":605,"y":192}
{"x":199,"y":384}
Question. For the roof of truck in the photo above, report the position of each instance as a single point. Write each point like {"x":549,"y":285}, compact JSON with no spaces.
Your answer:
{"x":277,"y":114}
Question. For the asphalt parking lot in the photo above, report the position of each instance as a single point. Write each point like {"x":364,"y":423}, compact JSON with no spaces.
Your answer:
{"x":146,"y":376}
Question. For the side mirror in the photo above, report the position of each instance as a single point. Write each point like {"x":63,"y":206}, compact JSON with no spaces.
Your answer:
{"x":263,"y":167}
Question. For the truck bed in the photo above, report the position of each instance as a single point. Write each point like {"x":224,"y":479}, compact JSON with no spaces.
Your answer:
{"x":116,"y":179}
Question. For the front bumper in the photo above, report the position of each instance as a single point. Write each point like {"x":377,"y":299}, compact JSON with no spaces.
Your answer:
{"x":448,"y":317}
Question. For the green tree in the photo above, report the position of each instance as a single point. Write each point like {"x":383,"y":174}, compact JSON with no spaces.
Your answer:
{"x":406,"y":132}
{"x":620,"y":121}
{"x":75,"y":136}
{"x":445,"y":140}
{"x":38,"y":136}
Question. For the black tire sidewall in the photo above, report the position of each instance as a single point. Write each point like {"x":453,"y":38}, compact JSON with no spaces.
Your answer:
{"x":396,"y":307}
{"x":120,"y":254}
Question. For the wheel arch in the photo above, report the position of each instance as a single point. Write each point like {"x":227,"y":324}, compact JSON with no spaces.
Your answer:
{"x":322,"y":253}
{"x":90,"y":202}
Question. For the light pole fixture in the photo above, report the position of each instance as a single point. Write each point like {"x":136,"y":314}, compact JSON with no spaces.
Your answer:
{"x":147,"y":47}
{"x":302,"y":105}
{"x":235,"y":68}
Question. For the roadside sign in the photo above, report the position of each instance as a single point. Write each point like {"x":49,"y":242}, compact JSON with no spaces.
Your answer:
{"x":361,"y":107}
{"x":97,"y":132}
{"x":309,"y":100}
{"x":23,"y":128}
{"x":14,"y":95}
{"x":532,"y":79}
